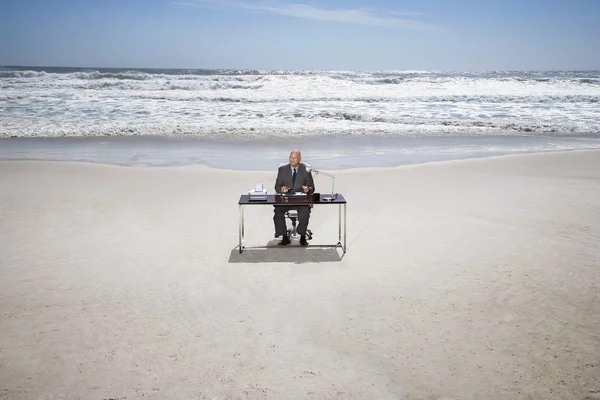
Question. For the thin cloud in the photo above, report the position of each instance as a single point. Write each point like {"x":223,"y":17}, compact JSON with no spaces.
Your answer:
{"x":406,"y":14}
{"x":347,"y":16}
{"x":184,"y":4}
{"x":196,"y":4}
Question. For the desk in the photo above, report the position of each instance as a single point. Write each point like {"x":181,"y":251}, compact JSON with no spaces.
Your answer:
{"x":278,"y":200}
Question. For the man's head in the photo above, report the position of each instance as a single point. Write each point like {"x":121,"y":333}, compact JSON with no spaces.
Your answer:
{"x":295,"y":158}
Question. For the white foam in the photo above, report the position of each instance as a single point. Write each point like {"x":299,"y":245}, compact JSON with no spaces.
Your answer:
{"x":409,"y":103}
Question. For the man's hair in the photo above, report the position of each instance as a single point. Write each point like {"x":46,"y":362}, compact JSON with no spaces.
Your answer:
{"x":296,"y":151}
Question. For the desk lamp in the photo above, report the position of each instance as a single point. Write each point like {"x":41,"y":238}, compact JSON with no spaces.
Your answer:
{"x":333,"y":195}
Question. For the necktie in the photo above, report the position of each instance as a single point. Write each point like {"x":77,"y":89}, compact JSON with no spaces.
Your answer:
{"x":294,"y":178}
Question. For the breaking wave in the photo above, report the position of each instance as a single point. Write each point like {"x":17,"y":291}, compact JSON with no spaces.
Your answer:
{"x":40,"y":102}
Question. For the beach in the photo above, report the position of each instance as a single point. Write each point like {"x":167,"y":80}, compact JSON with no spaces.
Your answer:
{"x":466,"y":279}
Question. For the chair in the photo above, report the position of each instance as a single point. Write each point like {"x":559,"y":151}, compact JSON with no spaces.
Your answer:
{"x":292,"y":215}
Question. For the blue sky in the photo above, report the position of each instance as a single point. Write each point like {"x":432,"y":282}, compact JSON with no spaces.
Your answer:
{"x":304,"y":34}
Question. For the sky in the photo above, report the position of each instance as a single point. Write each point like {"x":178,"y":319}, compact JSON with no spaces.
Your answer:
{"x":303,"y":34}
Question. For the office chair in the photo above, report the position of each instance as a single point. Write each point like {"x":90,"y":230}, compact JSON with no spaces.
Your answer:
{"x":292,"y":215}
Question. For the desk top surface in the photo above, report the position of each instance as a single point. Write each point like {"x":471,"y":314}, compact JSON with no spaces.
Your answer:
{"x":277,"y":199}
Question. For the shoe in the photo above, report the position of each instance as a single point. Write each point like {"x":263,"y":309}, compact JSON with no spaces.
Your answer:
{"x":303,"y":241}
{"x":285,"y":241}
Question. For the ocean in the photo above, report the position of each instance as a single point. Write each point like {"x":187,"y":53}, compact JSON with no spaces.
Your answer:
{"x":346,"y":118}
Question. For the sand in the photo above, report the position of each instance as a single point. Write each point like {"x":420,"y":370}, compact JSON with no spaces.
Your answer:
{"x":475,"y":279}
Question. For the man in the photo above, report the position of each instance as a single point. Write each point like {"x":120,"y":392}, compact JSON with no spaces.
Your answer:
{"x":293,"y":177}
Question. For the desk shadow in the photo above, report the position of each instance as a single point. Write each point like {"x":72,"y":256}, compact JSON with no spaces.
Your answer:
{"x":272,"y":253}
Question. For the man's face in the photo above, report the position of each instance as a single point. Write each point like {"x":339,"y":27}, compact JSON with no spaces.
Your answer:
{"x":294,"y":159}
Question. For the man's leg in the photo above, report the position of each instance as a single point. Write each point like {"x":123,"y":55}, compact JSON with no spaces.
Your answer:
{"x":303,"y":217}
{"x":279,"y":220}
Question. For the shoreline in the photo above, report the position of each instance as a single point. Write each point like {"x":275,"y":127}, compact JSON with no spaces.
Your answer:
{"x":343,"y":153}
{"x":202,"y":166}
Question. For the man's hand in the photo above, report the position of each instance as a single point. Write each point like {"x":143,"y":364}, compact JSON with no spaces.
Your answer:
{"x":305,"y":188}
{"x":284,"y":189}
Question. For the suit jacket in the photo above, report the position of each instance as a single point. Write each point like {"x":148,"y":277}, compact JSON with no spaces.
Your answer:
{"x":303,"y":178}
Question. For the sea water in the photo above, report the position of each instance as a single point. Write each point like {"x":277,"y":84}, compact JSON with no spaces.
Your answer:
{"x":340,"y":119}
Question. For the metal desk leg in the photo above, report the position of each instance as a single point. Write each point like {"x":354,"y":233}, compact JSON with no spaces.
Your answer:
{"x":345,"y":230}
{"x":241,"y":227}
{"x":340,"y":224}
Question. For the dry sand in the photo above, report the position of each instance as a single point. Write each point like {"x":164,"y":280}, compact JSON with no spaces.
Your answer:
{"x":473,"y":279}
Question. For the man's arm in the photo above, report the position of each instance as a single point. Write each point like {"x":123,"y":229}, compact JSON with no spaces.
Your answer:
{"x":310,"y":183}
{"x":279,"y":181}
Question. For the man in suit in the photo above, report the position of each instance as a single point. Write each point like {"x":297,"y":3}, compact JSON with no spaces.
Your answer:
{"x":293,"y":177}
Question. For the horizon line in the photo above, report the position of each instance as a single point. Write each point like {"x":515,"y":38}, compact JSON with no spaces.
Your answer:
{"x":306,"y":69}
